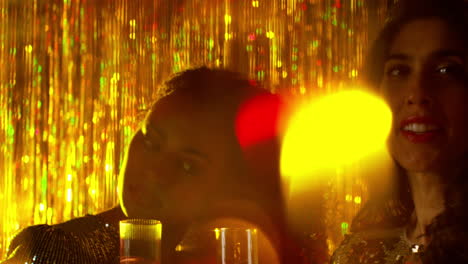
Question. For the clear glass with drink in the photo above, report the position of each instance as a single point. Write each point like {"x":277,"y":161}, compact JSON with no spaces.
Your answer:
{"x":236,"y":245}
{"x":140,"y":241}
{"x":218,"y":246}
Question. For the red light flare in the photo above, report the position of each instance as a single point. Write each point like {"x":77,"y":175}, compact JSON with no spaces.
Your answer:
{"x":258,"y":119}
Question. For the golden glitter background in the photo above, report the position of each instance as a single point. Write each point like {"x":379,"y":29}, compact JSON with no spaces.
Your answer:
{"x":76,"y":74}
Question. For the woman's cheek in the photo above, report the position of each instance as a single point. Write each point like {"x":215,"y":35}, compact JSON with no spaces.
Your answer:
{"x":187,"y":198}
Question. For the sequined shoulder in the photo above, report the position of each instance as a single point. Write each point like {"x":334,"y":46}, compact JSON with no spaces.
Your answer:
{"x":377,"y":247}
{"x":82,"y":240}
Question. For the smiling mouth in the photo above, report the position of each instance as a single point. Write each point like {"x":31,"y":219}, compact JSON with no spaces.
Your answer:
{"x":420,"y":132}
{"x":420,"y":128}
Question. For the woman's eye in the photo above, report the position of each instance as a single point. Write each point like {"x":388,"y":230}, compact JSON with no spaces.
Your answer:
{"x":149,"y":145}
{"x":455,"y":70}
{"x":186,"y":166}
{"x":151,"y":141}
{"x":397,"y":71}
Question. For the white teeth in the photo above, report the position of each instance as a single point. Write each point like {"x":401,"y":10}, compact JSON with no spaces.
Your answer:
{"x":419,"y":128}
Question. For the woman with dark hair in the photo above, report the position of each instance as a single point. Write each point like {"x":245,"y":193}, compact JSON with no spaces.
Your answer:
{"x":419,"y":65}
{"x":184,"y":167}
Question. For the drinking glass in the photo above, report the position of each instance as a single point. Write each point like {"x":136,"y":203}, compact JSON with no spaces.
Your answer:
{"x":236,"y":245}
{"x":140,"y":241}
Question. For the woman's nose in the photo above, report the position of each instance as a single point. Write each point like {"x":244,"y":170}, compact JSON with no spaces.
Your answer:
{"x":419,"y":92}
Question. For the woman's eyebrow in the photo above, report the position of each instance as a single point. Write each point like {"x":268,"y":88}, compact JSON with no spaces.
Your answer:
{"x":448,"y":53}
{"x":192,"y":152}
{"x":397,"y":56}
{"x":187,"y":151}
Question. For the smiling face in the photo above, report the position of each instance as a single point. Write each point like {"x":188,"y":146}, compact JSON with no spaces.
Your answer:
{"x":424,"y":84}
{"x":178,"y":161}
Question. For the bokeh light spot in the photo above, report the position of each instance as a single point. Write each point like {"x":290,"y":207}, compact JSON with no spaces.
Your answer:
{"x":257,"y":119}
{"x":334,"y":131}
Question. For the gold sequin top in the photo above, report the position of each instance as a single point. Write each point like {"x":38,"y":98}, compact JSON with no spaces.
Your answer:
{"x":377,"y":247}
{"x":84,"y":240}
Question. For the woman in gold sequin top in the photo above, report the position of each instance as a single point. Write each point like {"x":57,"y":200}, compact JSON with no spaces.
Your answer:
{"x":419,"y":65}
{"x":184,"y":167}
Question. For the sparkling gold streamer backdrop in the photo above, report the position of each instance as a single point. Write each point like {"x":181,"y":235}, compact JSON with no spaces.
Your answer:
{"x":76,"y":75}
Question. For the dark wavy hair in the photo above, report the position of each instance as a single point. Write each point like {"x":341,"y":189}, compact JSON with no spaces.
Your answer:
{"x":449,"y":230}
{"x":206,"y":84}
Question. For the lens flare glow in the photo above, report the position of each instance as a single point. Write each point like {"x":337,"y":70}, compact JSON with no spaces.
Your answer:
{"x":333,"y":131}
{"x":258,"y":119}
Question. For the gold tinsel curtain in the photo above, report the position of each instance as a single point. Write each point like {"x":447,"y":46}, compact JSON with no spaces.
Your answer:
{"x":76,"y":74}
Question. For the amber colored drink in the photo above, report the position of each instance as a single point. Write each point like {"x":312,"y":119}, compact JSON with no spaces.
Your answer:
{"x":139,"y":251}
{"x":140,"y":241}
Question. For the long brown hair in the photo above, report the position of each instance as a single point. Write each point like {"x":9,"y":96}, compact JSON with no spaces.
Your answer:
{"x":393,"y":208}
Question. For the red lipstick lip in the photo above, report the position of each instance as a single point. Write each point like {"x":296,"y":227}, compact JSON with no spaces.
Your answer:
{"x":424,"y":137}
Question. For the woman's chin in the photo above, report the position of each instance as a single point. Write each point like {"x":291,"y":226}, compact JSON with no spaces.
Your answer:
{"x":422,"y":166}
{"x":417,"y":161}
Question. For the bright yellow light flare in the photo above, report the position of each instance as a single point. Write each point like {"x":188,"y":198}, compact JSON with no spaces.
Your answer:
{"x":331,"y":132}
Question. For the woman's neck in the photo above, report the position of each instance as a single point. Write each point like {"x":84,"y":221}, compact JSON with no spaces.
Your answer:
{"x":428,"y":196}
